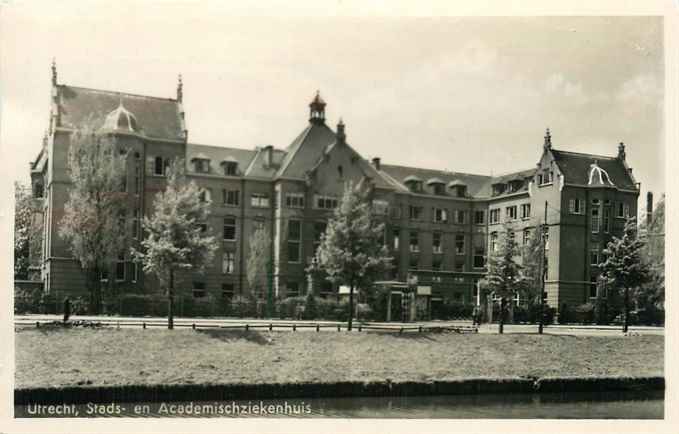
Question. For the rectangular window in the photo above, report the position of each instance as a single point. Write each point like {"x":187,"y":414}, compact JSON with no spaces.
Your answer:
{"x":526,"y":236}
{"x":437,"y":264}
{"x":259,"y":200}
{"x":607,"y":219}
{"x":120,"y":268}
{"x":319,"y":230}
{"x":545,"y":234}
{"x":494,"y":216}
{"x":135,"y":272}
{"x":625,"y":210}
{"x":103,"y":275}
{"x":230,"y":229}
{"x":525,"y":211}
{"x":414,"y":242}
{"x":294,"y":240}
{"x":595,"y":219}
{"x":231,"y":168}
{"x":228,"y":290}
{"x":593,"y":284}
{"x":380,"y":207}
{"x":479,"y":257}
{"x":137,"y":179}
{"x":594,"y":257}
{"x":415,"y":212}
{"x":493,"y":241}
{"x":511,"y":212}
{"x":459,"y":244}
{"x":460,"y":217}
{"x":159,"y":165}
{"x":135,"y":224}
{"x":199,"y":290}
{"x":228,"y":262}
{"x":293,"y":289}
{"x":575,"y":206}
{"x":436,"y":244}
{"x":479,"y":217}
{"x":231,"y":197}
{"x":325,"y":202}
{"x":414,"y":262}
{"x":440,"y":215}
{"x":205,"y":195}
{"x":294,"y":200}
{"x":621,"y":210}
{"x":396,"y":236}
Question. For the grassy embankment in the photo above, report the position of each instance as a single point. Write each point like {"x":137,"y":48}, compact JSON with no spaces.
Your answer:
{"x":106,"y":357}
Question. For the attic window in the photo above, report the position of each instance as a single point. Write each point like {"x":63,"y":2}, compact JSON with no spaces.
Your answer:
{"x":498,"y":189}
{"x":231,"y":168}
{"x":413,"y":183}
{"x":201,"y":165}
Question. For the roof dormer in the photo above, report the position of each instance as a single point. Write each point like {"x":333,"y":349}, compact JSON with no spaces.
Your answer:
{"x":598,"y":177}
{"x":413,"y":183}
{"x":201,"y":163}
{"x":121,"y":119}
{"x":438,"y":185}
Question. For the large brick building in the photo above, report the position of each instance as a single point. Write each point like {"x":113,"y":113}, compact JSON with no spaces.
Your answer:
{"x":440,"y":224}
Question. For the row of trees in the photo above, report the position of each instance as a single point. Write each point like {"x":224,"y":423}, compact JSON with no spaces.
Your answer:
{"x":351,"y":250}
{"x":633,"y":269}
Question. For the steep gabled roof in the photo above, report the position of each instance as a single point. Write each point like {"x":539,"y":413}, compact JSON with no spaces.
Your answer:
{"x":156,"y":117}
{"x":305,"y":151}
{"x":217,"y":154}
{"x":576,"y":167}
{"x":477,"y":185}
{"x":258,"y":168}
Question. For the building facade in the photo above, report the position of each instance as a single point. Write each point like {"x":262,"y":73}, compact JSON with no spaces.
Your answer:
{"x":440,"y":225}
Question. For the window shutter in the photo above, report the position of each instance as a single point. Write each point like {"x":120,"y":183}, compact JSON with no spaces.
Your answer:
{"x":571,"y":206}
{"x":149,"y":164}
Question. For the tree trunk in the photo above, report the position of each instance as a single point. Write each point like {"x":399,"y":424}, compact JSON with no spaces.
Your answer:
{"x":170,"y":302}
{"x":625,"y":324}
{"x":501,"y":319}
{"x":92,"y":277}
{"x":351,"y":305}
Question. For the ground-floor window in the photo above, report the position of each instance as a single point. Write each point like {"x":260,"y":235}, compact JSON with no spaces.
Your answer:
{"x":227,"y":290}
{"x":293,"y":289}
{"x":199,"y":289}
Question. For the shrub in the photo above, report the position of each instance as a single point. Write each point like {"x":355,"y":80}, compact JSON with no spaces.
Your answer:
{"x":310,"y":307}
{"x":584,"y":313}
{"x":326,"y":308}
{"x":566,"y":315}
{"x":290,"y":306}
{"x":244,"y":306}
{"x":364,"y":312}
{"x":27,"y":300}
{"x":651,"y":315}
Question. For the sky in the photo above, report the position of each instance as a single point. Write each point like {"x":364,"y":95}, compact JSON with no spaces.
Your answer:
{"x":464,"y":94}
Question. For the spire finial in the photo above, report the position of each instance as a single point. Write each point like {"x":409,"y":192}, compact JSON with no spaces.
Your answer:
{"x":621,"y":151}
{"x":54,"y":72}
{"x":341,"y":135}
{"x":317,"y":109}
{"x":180,"y":89}
{"x":548,"y":140}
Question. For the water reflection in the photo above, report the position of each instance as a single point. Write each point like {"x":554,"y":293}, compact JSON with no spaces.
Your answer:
{"x":606,"y":405}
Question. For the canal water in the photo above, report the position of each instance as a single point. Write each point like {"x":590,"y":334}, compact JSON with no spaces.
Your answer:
{"x":608,"y":405}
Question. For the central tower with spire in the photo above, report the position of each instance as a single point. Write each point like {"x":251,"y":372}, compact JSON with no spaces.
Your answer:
{"x":317,"y":110}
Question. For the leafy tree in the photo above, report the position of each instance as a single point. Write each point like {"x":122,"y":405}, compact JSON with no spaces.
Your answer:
{"x":352,"y":251}
{"x":624,"y":268}
{"x":652,"y":294}
{"x":310,"y":306}
{"x":91,"y":215}
{"x":504,"y":275}
{"x":175,"y":235}
{"x":531,"y":262}
{"x":259,"y":260}
{"x":28,"y":230}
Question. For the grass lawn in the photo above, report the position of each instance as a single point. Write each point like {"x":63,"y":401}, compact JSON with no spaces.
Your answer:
{"x":69,"y":357}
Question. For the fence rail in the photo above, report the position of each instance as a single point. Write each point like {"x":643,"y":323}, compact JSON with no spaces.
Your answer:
{"x":246,"y":326}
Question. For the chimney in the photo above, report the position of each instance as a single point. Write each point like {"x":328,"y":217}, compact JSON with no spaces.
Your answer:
{"x":341,"y":135}
{"x":376,"y":163}
{"x":268,"y":156}
{"x":548,"y":140}
{"x":621,"y":152}
{"x":180,"y":89}
{"x":54,"y":72}
{"x":649,"y":207}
